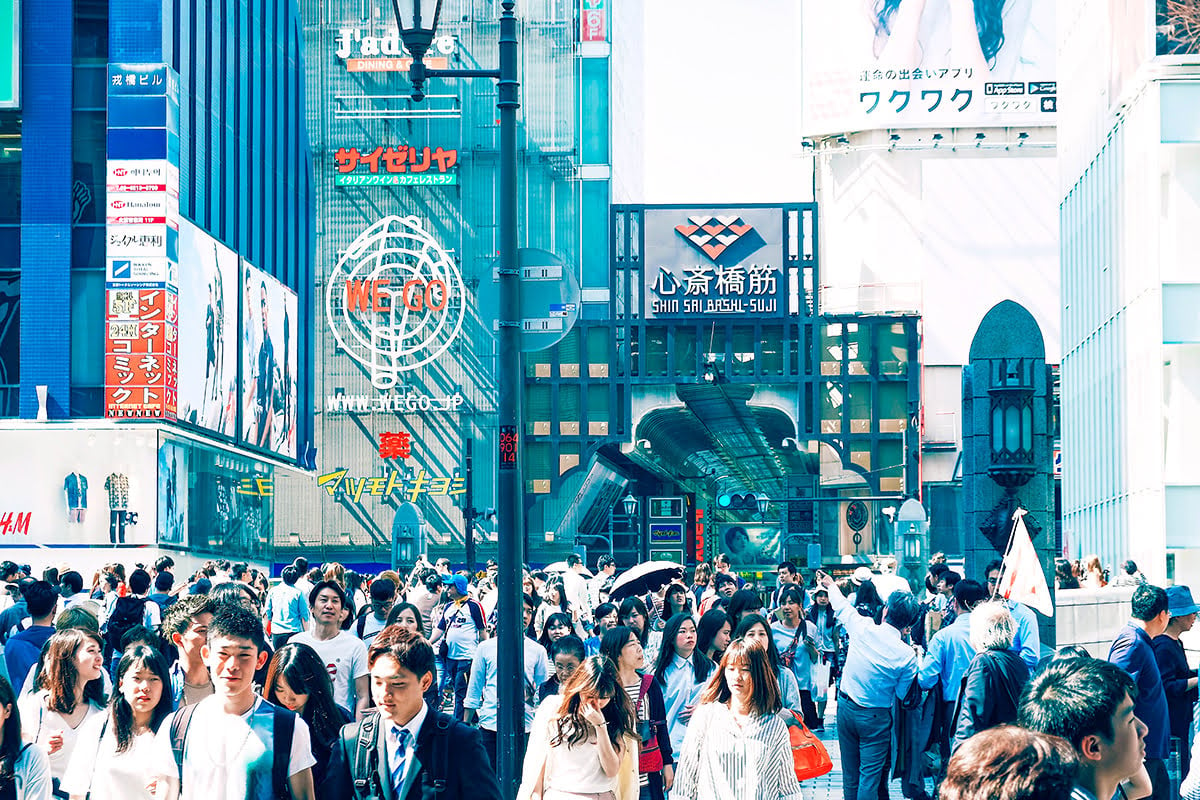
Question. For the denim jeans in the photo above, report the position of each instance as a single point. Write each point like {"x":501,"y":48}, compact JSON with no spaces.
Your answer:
{"x":865,"y":739}
{"x":457,"y":671}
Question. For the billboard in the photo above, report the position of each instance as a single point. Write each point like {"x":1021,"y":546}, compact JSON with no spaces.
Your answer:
{"x":1177,"y":24}
{"x":172,"y":494}
{"x":750,"y":545}
{"x":268,"y":362}
{"x":73,"y":487}
{"x":894,"y":64}
{"x":705,"y":261}
{"x":208,"y":284}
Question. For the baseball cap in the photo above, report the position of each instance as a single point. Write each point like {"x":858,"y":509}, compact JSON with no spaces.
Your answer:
{"x":459,"y":582}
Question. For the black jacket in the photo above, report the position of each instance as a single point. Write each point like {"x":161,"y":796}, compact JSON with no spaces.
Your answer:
{"x":468,"y":771}
{"x":989,"y":693}
{"x":1173,"y":666}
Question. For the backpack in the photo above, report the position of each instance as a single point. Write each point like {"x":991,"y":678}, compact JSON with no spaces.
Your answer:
{"x":127,"y":612}
{"x":361,"y":740}
{"x":283,"y":725}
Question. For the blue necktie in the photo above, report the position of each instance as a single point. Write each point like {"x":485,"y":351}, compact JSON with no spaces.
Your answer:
{"x":400,"y":736}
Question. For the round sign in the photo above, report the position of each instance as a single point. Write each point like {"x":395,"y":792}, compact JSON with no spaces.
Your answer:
{"x":857,"y":515}
{"x":550,"y":297}
{"x":395,"y":300}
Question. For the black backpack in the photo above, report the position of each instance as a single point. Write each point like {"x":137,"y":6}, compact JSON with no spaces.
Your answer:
{"x":283,"y":726}
{"x":127,"y":612}
{"x":361,"y":740}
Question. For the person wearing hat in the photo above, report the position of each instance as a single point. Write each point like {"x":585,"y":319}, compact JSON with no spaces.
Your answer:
{"x":1179,"y":681}
{"x":457,"y":634}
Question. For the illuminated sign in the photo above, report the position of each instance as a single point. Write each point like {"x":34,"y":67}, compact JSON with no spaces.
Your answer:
{"x":337,"y":483}
{"x":665,"y":508}
{"x":400,"y":165}
{"x":141,"y":353}
{"x":396,"y":299}
{"x":391,"y":403}
{"x":593,"y":25}
{"x":370,"y":53}
{"x":508,"y":447}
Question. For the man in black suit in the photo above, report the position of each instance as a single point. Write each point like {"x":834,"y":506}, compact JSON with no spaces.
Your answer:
{"x":402,"y":750}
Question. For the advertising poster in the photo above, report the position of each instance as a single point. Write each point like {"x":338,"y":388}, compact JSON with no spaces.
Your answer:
{"x":268,"y":362}
{"x":1177,"y":23}
{"x":207,"y":331}
{"x":750,"y":545}
{"x":81,"y":488}
{"x":925,"y":63}
{"x":172,"y":494}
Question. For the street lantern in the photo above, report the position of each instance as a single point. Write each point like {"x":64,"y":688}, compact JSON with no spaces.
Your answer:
{"x":631,"y":505}
{"x":417,"y":20}
{"x":1011,"y":462}
{"x":764,"y":503}
{"x":912,"y":529}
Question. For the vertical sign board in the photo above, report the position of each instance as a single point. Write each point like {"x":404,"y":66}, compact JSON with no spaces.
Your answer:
{"x":593,"y":21}
{"x":141,"y":343}
{"x":10,"y":54}
{"x":667,"y":518}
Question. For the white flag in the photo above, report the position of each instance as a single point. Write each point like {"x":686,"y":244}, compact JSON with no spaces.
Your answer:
{"x":1022,"y":578}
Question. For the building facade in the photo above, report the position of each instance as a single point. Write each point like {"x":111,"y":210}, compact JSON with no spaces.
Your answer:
{"x":156,"y":257}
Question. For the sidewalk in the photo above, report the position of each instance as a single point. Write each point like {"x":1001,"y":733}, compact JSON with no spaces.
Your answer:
{"x":829,"y":787}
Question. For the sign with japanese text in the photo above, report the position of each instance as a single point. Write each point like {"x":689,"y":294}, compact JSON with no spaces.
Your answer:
{"x":905,"y":65}
{"x":400,"y":165}
{"x":704,"y":261}
{"x":593,"y":22}
{"x":141,"y":352}
{"x":10,"y":54}
{"x":364,"y":52}
{"x":340,"y":483}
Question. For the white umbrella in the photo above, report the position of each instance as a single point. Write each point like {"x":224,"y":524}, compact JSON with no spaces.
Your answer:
{"x":561,"y":566}
{"x":649,"y":576}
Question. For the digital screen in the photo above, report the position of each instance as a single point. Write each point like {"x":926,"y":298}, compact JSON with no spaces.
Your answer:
{"x":508,"y":447}
{"x":666,"y":507}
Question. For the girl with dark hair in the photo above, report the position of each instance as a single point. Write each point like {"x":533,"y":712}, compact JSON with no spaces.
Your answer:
{"x":867,"y":601}
{"x":754,"y":629}
{"x":557,"y":626}
{"x":737,"y":739}
{"x":677,"y":600}
{"x":970,"y":35}
{"x":632,"y":613}
{"x":820,"y":614}
{"x":681,"y":671}
{"x":713,"y":634}
{"x":795,"y":639}
{"x":557,"y":604}
{"x":584,"y":740}
{"x":70,"y":689}
{"x":298,"y":680}
{"x":24,"y":768}
{"x":408,"y":617}
{"x":743,"y":602}
{"x":113,"y":756}
{"x":656,"y":766}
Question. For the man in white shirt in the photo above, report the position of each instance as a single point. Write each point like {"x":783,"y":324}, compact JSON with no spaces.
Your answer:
{"x":228,"y":745}
{"x":606,"y":568}
{"x":344,"y":655}
{"x":575,"y":585}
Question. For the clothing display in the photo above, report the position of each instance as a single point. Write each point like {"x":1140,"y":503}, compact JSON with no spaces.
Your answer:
{"x":75,"y":485}
{"x":117,"y":486}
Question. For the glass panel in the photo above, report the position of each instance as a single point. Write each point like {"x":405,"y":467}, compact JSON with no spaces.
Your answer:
{"x":893,"y":348}
{"x":743,"y":350}
{"x":684,"y":351}
{"x":656,"y":350}
{"x":1012,"y":429}
{"x":771,"y":350}
{"x":1027,"y":429}
{"x":87,"y":320}
{"x":568,"y":402}
{"x":10,"y":166}
{"x":893,"y":401}
{"x":597,"y":402}
{"x":860,"y":402}
{"x":997,"y":429}
{"x":858,"y":348}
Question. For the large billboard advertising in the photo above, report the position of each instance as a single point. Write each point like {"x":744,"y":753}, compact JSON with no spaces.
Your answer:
{"x":208,"y":283}
{"x":268,"y":362}
{"x":870,"y":64}
{"x":70,"y":487}
{"x":1177,"y":25}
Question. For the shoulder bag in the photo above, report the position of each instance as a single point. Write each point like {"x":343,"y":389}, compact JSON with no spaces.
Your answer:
{"x":809,"y":756}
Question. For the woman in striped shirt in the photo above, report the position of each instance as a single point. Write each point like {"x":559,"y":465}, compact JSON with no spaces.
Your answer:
{"x":737,"y":744}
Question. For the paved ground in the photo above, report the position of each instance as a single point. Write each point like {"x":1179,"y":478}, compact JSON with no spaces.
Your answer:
{"x":829,"y":787}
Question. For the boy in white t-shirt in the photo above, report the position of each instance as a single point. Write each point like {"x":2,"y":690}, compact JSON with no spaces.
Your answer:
{"x":225,"y":745}
{"x":343,"y":654}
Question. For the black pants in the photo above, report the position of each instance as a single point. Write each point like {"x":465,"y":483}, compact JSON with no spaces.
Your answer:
{"x":809,"y":710}
{"x":654,"y":790}
{"x":490,"y":743}
{"x":1159,"y":779}
{"x":116,"y":526}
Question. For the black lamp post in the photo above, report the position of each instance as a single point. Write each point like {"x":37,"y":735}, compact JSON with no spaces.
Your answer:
{"x":417,"y":20}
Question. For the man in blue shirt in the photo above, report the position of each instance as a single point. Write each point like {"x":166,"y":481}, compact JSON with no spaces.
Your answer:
{"x":947,"y":659}
{"x":286,"y":610}
{"x":24,"y":647}
{"x":1028,"y":641}
{"x":482,"y":688}
{"x":880,"y":668}
{"x":1133,"y":652}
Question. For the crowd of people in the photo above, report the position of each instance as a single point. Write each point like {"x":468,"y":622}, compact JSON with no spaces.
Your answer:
{"x":330,"y":684}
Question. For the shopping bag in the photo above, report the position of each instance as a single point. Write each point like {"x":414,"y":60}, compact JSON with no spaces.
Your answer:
{"x":820,"y":681}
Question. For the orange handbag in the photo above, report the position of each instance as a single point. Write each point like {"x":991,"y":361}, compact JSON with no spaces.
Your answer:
{"x":810,"y":757}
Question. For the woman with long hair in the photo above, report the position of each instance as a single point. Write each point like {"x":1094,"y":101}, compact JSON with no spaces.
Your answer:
{"x":656,"y":770}
{"x":298,"y":680}
{"x":737,"y":739}
{"x":820,"y":614}
{"x":701,"y":580}
{"x":743,"y":602}
{"x":754,"y":629}
{"x":70,"y":689}
{"x":677,"y":600}
{"x":632,"y":613}
{"x":795,"y":639}
{"x":909,"y":35}
{"x":408,"y":617}
{"x":557,"y":603}
{"x":584,"y":741}
{"x":1093,"y":573}
{"x":24,"y":768}
{"x":713,"y":633}
{"x":557,"y":626}
{"x":113,"y":758}
{"x":681,"y":671}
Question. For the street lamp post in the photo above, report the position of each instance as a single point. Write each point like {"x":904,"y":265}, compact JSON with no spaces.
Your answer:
{"x":417,"y":20}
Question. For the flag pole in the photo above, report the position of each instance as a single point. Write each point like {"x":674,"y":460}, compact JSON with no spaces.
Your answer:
{"x":1012,"y":533}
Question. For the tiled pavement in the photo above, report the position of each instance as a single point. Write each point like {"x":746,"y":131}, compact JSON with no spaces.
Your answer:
{"x":829,"y":787}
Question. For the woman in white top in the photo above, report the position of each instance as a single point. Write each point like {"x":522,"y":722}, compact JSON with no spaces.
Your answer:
{"x":24,"y":765}
{"x":583,"y":742}
{"x":70,"y":690}
{"x":111,"y":760}
{"x":737,"y":744}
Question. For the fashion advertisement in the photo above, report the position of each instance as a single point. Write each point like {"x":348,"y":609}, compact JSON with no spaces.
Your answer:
{"x":172,"y":494}
{"x":926,"y":63}
{"x":750,"y":545}
{"x":78,"y":487}
{"x":1177,"y":23}
{"x":207,"y":331}
{"x":268,"y":362}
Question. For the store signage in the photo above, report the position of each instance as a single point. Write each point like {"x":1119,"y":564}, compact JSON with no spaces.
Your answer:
{"x":397,"y":165}
{"x":593,"y":23}
{"x":16,"y":524}
{"x":338,"y":483}
{"x":396,"y":299}
{"x":364,"y":52}
{"x":665,"y":507}
{"x":727,"y":262}
{"x":141,"y":354}
{"x":392,"y":403}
